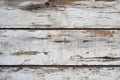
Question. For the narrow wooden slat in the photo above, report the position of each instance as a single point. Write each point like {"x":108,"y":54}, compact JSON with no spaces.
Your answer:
{"x":59,"y":47}
{"x":59,"y":73}
{"x":79,"y":14}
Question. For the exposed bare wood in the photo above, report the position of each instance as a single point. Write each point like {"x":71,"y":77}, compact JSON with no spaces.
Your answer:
{"x":59,"y":73}
{"x":73,"y":14}
{"x":59,"y":47}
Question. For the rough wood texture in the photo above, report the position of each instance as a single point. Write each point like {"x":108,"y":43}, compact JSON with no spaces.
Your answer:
{"x":76,"y":14}
{"x":59,"y":47}
{"x":60,"y":73}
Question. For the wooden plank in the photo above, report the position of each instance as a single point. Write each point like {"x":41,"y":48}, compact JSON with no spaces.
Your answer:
{"x":59,"y":73}
{"x":59,"y":47}
{"x":78,"y":14}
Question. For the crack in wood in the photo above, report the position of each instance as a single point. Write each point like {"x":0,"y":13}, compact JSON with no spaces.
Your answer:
{"x":44,"y":38}
{"x":104,"y":59}
{"x":62,"y":41}
{"x":64,"y":66}
{"x":60,"y":29}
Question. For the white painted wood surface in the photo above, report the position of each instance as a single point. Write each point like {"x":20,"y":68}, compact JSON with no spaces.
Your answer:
{"x":79,"y":14}
{"x":60,"y":73}
{"x":59,"y":47}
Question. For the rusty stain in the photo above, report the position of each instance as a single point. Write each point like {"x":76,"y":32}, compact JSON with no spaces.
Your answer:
{"x":27,"y":53}
{"x":63,"y":2}
{"x":102,"y":32}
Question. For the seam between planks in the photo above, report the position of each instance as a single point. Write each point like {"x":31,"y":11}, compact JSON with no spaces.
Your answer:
{"x":37,"y":66}
{"x":59,"y":28}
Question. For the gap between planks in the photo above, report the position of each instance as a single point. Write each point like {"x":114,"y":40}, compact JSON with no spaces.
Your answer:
{"x":38,"y":66}
{"x":59,"y":28}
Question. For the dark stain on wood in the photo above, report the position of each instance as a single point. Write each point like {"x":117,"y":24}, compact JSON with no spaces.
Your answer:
{"x":49,"y":36}
{"x":62,"y":41}
{"x":110,"y":41}
{"x":105,"y":0}
{"x":42,"y":38}
{"x":11,"y":2}
{"x":32,"y":30}
{"x":87,"y":52}
{"x":1,"y":53}
{"x":27,"y":60}
{"x":49,"y":4}
{"x":45,"y":53}
{"x":17,"y":69}
{"x":38,"y":5}
{"x":84,"y":41}
{"x":26,"y":53}
{"x":88,"y":59}
{"x":32,"y":7}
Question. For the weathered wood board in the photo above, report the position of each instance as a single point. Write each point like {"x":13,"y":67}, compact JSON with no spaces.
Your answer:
{"x":60,"y":73}
{"x":79,"y":14}
{"x":59,"y":47}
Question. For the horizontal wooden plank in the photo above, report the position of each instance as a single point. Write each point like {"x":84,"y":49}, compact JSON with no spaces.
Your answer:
{"x":79,"y":14}
{"x":59,"y":47}
{"x":59,"y":73}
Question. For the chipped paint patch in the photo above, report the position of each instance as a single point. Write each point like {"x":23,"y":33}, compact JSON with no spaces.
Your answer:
{"x":102,"y":32}
{"x":27,"y":53}
{"x":53,"y":70}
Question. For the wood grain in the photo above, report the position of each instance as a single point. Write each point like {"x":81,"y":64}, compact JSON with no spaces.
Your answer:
{"x":60,"y":73}
{"x":76,"y":14}
{"x":59,"y":47}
